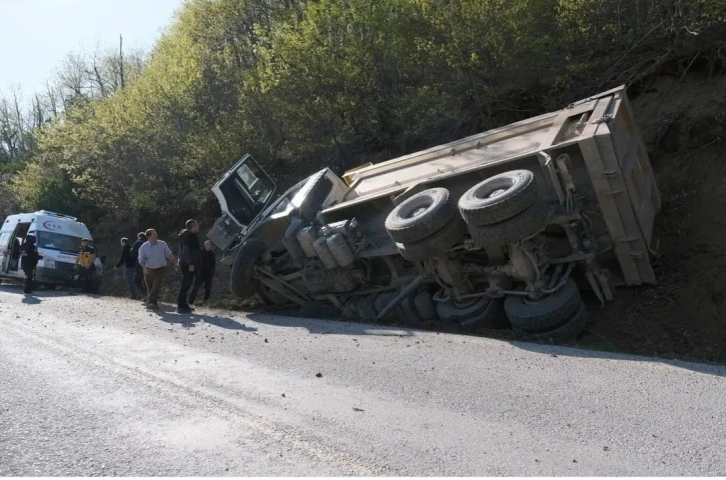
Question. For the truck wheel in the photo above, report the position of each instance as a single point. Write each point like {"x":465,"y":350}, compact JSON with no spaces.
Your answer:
{"x":242,"y":284}
{"x":361,"y":308}
{"x":498,"y":198}
{"x":367,"y":308}
{"x":516,"y":229}
{"x":570,"y":330}
{"x":420,"y":216}
{"x":424,"y":306}
{"x":546,"y":314}
{"x":408,"y":314}
{"x":473,"y":313}
{"x":348,"y":310}
{"x":381,"y":301}
{"x":436,"y":244}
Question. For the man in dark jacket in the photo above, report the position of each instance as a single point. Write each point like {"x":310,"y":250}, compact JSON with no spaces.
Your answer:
{"x":206,"y":273}
{"x":138,"y":271}
{"x":29,"y":261}
{"x":129,"y":264}
{"x":189,"y":254}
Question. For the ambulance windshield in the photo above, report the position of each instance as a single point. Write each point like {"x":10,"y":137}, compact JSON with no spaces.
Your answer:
{"x":58,"y":241}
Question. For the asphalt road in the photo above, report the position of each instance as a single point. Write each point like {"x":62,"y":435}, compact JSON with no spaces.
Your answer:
{"x":94,"y":386}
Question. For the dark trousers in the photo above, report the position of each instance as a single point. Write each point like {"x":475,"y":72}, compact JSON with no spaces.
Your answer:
{"x":187,"y":281}
{"x":29,"y":279}
{"x":200,"y":280}
{"x":139,"y":280}
{"x":87,"y":277}
{"x":129,"y":274}
{"x":154,"y":278}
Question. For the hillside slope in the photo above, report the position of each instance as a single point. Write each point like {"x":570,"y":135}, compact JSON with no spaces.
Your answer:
{"x":683,"y":123}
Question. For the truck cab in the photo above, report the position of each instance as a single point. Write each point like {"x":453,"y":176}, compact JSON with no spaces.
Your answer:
{"x":246,"y":195}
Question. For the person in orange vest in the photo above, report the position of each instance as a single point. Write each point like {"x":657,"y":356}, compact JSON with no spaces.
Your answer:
{"x":85,"y":264}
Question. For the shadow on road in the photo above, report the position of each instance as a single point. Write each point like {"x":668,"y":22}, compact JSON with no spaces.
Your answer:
{"x":330,"y":326}
{"x":583,"y":352}
{"x":192,"y":319}
{"x":325,"y":323}
{"x":579,"y":349}
{"x":30,"y":299}
{"x":17,"y":289}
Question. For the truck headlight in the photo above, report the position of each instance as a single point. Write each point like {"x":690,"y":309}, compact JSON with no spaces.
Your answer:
{"x":49,"y":263}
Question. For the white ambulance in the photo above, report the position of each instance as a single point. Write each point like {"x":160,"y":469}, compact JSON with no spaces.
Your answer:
{"x":58,"y":238}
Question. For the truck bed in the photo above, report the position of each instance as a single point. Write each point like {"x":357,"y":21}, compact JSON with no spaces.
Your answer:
{"x":601,"y":139}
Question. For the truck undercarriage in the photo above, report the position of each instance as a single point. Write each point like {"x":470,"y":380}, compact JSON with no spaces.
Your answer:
{"x":502,"y":228}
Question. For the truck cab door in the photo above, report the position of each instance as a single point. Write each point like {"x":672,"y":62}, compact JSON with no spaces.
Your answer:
{"x":243,"y":193}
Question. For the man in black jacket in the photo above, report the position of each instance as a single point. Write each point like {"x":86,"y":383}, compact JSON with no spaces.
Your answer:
{"x":129,"y":264}
{"x":205,"y":275}
{"x":138,"y":271}
{"x":29,"y":261}
{"x":189,"y":254}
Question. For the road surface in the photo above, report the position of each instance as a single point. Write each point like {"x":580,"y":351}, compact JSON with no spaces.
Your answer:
{"x":94,"y":386}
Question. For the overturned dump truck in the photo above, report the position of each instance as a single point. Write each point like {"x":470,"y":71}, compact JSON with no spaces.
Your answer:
{"x":501,"y":228}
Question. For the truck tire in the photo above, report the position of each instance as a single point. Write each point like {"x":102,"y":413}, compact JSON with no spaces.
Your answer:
{"x":570,"y":330}
{"x":436,"y":244}
{"x":381,"y":301}
{"x":498,"y":198}
{"x":348,"y":310}
{"x":479,"y":312}
{"x":367,"y":308}
{"x":424,"y":306}
{"x":420,"y":216}
{"x":407,"y":313}
{"x":516,"y":229}
{"x":544,"y":315}
{"x":242,"y":284}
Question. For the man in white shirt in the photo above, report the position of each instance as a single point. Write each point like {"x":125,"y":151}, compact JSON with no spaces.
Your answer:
{"x":153,"y":257}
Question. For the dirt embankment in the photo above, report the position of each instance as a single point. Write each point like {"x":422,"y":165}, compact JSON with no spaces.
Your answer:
{"x":684,"y":125}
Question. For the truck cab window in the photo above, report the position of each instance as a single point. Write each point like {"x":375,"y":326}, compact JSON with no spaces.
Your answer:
{"x":257,"y":185}
{"x":246,"y":191}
